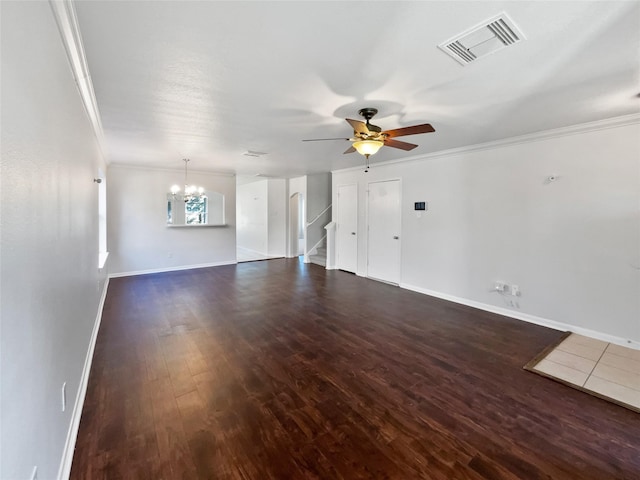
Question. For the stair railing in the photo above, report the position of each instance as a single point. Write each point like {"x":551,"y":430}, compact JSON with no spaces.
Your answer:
{"x":318,"y":216}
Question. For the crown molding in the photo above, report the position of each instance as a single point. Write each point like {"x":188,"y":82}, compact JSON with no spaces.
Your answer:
{"x":130,"y":166}
{"x":65,"y":15}
{"x":607,"y":123}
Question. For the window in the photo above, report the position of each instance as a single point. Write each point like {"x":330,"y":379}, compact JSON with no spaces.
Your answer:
{"x":195,"y":211}
{"x":204,"y":210}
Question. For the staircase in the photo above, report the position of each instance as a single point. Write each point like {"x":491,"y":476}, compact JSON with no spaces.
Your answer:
{"x":319,"y":257}
{"x":316,"y":235}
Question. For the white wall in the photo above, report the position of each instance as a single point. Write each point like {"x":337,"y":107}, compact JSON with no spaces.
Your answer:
{"x":318,"y":198}
{"x":277,"y":221}
{"x":51,"y":285}
{"x":318,"y":194}
{"x":139,"y":239}
{"x":572,"y":245}
{"x":252,"y":216}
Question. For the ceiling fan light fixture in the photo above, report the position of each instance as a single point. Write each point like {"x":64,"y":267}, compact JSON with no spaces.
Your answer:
{"x":367,"y":147}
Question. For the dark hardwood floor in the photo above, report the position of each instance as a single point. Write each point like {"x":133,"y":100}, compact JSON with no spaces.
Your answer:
{"x":280,"y":370}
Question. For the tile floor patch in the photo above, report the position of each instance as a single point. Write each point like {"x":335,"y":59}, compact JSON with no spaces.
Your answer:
{"x":616,"y":375}
{"x":563,"y":372}
{"x":623,"y":351}
{"x":574,"y":338}
{"x":595,"y":366}
{"x":613,"y":390}
{"x":571,"y":360}
{"x":623,"y":363}
{"x":590,"y":352}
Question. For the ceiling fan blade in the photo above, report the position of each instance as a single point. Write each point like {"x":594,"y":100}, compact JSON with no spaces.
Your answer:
{"x":349,"y":150}
{"x":358,"y":126}
{"x":414,"y":130}
{"x":398,"y":144}
{"x":323,"y":139}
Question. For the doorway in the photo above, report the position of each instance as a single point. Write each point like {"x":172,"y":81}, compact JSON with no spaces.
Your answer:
{"x":296,"y":225}
{"x":383,"y":241}
{"x":347,"y":228}
{"x":261,"y":205}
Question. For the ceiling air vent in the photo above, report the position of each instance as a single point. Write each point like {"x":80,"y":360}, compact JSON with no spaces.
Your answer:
{"x":488,"y":37}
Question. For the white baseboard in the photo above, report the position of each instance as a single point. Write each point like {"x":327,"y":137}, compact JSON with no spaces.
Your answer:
{"x":72,"y":434}
{"x":250,"y":250}
{"x":545,"y":322}
{"x":170,"y":269}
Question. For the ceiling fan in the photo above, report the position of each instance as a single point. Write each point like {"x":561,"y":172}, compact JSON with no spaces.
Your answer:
{"x":368,"y":138}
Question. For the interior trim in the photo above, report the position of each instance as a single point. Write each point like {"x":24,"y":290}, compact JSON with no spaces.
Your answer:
{"x":169,"y":169}
{"x":545,"y":322}
{"x":64,"y":470}
{"x":613,"y":122}
{"x":65,"y":15}
{"x":171,"y":269}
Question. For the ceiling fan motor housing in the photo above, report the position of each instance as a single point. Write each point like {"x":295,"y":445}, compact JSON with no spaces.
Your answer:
{"x":368,"y":113}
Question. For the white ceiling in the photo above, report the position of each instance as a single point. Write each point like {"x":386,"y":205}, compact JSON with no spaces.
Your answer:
{"x":211,"y":80}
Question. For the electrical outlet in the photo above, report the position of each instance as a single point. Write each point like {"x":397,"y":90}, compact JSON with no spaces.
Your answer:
{"x":34,"y":473}
{"x":500,"y":286}
{"x":64,"y":396}
{"x":515,"y":290}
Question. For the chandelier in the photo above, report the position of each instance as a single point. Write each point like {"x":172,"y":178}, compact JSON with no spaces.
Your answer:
{"x":191,"y":192}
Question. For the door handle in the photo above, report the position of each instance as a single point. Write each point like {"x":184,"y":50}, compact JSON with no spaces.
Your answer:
{"x":396,"y":237}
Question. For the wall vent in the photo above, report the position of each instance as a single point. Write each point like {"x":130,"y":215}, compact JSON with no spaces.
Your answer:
{"x":483,"y":39}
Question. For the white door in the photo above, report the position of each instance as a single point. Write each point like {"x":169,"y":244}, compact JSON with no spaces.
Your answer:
{"x":383,"y":250}
{"x":347,"y":228}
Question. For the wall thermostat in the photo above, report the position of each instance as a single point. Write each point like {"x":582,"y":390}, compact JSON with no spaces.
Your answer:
{"x":420,"y":206}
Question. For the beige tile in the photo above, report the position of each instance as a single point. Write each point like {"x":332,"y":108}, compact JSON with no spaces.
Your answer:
{"x":576,"y":339}
{"x":616,"y":375}
{"x":613,"y":390}
{"x":570,"y":360}
{"x":623,"y":363}
{"x":626,"y":352}
{"x":590,"y":352}
{"x":562,"y":372}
